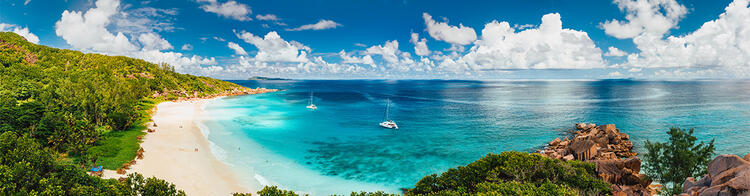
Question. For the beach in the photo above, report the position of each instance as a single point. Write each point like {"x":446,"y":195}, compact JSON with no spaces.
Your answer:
{"x":179,"y":153}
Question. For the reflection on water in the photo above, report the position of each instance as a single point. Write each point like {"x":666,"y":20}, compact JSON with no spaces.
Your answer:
{"x":444,"y":124}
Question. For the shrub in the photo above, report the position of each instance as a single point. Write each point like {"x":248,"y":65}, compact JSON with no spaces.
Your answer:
{"x":514,"y":172}
{"x":150,"y":186}
{"x":275,"y":191}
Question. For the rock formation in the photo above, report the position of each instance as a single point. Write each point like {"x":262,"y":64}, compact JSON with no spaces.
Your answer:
{"x":591,"y":142}
{"x":625,"y":176}
{"x":727,"y":175}
{"x":605,"y":146}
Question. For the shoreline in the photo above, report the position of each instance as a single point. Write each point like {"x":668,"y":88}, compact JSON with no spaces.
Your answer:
{"x":180,"y":153}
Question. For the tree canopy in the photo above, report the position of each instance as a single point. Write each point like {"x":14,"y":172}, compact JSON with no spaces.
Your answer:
{"x":681,"y":157}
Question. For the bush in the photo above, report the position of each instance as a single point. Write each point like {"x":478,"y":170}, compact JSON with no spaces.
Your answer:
{"x":150,"y":186}
{"x":26,"y":168}
{"x":518,"y":188}
{"x":378,"y":193}
{"x":515,"y":172}
{"x":670,"y":163}
{"x":275,"y":191}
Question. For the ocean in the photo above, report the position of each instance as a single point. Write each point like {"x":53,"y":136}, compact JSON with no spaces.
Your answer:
{"x":272,"y":139}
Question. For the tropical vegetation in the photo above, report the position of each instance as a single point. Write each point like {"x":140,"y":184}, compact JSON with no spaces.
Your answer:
{"x":671,"y":162}
{"x":28,"y":168}
{"x":62,"y":109}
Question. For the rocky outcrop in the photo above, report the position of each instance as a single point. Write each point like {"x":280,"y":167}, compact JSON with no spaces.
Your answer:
{"x":624,"y":175}
{"x":591,"y":142}
{"x":727,"y":175}
{"x":605,"y":146}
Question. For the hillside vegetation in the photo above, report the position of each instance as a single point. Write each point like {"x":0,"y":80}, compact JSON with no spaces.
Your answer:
{"x":63,"y":109}
{"x":66,"y":99}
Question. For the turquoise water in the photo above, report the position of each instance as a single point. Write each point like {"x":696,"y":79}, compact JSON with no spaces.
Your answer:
{"x":339,"y":148}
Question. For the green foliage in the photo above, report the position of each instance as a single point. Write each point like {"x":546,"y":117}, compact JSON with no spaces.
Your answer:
{"x":150,"y":186}
{"x":68,"y":100}
{"x":115,"y":148}
{"x":514,"y":172}
{"x":26,"y":168}
{"x":518,"y":188}
{"x":275,"y":191}
{"x":671,"y":162}
{"x":378,"y":193}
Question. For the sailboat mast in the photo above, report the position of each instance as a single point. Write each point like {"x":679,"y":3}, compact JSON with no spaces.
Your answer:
{"x":311,"y":98}
{"x":387,"y":106}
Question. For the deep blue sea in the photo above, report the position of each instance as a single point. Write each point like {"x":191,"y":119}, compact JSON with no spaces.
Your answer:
{"x":273,"y":139}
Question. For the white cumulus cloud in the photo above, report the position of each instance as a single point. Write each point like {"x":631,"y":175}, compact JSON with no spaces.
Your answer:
{"x":547,"y":47}
{"x":267,"y":17}
{"x":420,"y":45}
{"x":397,"y":62}
{"x":655,"y":17}
{"x":272,"y":48}
{"x":187,"y":47}
{"x":88,"y":31}
{"x":460,"y":35}
{"x":389,"y":51}
{"x":348,"y":58}
{"x":723,"y":43}
{"x":181,"y":62}
{"x":320,"y":25}
{"x":237,"y":48}
{"x":152,"y":41}
{"x":612,"y":51}
{"x":229,"y":9}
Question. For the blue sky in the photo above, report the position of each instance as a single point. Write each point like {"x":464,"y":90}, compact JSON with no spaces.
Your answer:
{"x":541,"y":39}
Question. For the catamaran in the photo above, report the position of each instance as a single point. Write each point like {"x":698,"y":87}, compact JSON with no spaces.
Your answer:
{"x":312,"y":105}
{"x":388,"y":123}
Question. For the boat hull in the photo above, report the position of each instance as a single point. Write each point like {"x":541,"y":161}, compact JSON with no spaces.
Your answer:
{"x":389,"y":125}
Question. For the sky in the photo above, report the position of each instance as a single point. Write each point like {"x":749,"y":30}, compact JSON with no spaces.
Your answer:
{"x":403,"y":39}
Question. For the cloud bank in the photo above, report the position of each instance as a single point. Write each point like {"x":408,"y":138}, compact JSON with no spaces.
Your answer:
{"x":719,"y":48}
{"x":88,"y":31}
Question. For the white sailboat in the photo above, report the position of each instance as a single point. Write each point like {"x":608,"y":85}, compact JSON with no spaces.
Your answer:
{"x":388,"y":123}
{"x":312,"y":105}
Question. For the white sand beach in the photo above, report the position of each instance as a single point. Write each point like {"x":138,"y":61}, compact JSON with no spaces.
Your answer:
{"x":170,"y":153}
